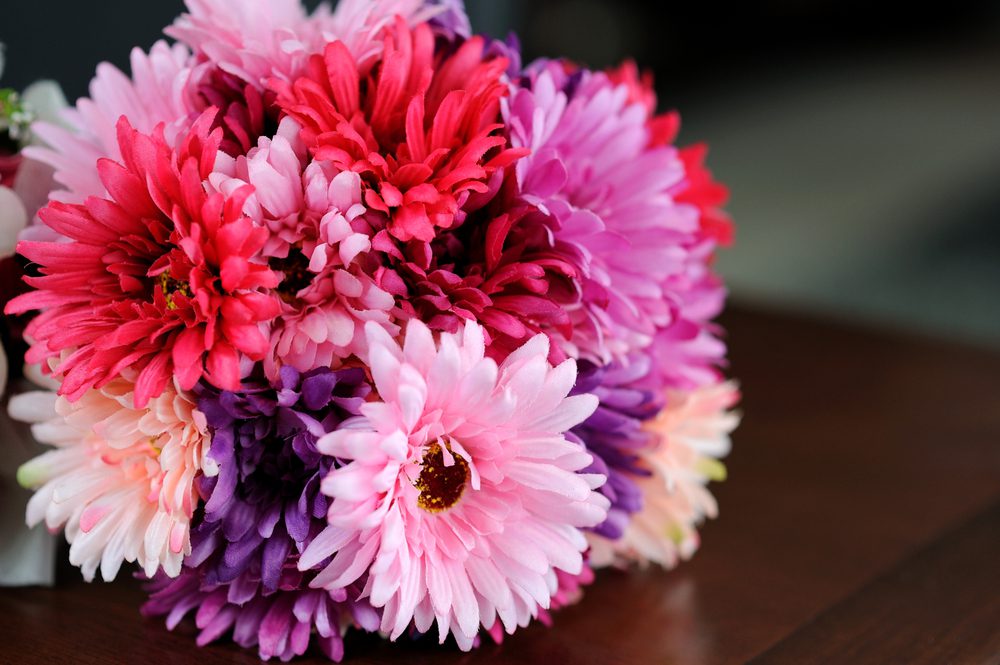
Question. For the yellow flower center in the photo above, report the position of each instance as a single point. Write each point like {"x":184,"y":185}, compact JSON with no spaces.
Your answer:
{"x":440,"y":486}
{"x":170,"y":286}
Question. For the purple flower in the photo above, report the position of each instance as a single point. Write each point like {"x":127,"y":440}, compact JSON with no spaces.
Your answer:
{"x":280,"y":624}
{"x":614,"y":434}
{"x":451,"y":19}
{"x":265,"y":502}
{"x":261,"y":511}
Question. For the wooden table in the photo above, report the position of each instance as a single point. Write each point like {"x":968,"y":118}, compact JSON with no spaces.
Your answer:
{"x":860,"y":524}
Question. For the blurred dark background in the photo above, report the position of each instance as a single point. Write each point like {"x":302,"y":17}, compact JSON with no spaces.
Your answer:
{"x":861,"y":140}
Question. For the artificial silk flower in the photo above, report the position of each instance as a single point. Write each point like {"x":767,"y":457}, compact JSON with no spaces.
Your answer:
{"x":353,"y":320}
{"x":158,"y":277}
{"x":261,"y":511}
{"x":692,"y":434}
{"x":120,"y":479}
{"x":460,"y":496}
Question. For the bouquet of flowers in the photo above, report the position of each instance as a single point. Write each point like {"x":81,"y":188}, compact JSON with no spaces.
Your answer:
{"x":359,"y":322}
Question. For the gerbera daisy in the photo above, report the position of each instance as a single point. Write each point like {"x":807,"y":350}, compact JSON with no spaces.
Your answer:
{"x":637,"y":218}
{"x":692,"y":433}
{"x":158,"y":277}
{"x":460,"y":496}
{"x":261,"y":510}
{"x":121,"y":479}
{"x":422,"y":129}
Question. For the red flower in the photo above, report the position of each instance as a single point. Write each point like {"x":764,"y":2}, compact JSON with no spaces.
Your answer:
{"x":157,"y":277}
{"x":421,"y":130}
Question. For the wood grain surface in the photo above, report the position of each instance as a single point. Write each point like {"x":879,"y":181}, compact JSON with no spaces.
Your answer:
{"x":860,"y":524}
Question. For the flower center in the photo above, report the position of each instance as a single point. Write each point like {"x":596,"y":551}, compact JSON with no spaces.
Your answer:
{"x":170,"y":286}
{"x":440,"y":486}
{"x":297,"y":275}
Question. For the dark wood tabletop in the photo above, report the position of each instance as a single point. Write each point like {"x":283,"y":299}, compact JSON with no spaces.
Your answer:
{"x":860,"y":524}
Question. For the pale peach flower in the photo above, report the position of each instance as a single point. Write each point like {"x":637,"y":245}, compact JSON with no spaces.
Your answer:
{"x":694,"y":431}
{"x":120,"y":480}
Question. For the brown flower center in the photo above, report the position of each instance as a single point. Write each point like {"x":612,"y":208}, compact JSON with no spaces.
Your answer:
{"x":440,"y":486}
{"x":297,"y":275}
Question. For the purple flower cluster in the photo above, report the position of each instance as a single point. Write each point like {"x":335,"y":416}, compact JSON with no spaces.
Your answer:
{"x":261,"y":511}
{"x":614,"y":434}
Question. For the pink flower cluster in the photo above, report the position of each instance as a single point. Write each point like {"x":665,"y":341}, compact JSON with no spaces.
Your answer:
{"x":507,"y":271}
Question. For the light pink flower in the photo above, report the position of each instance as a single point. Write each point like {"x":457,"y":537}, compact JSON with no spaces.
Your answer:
{"x":157,"y":92}
{"x":693,"y":433}
{"x":261,"y":39}
{"x":120,"y":479}
{"x":460,"y":497}
{"x":318,"y":230}
{"x":251,"y":39}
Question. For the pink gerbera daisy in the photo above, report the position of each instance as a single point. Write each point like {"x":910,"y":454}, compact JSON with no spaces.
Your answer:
{"x":121,"y":478}
{"x":157,"y":277}
{"x":460,"y":496}
{"x":156,"y":93}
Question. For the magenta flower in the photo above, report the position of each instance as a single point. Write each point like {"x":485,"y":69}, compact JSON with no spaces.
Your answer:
{"x":635,"y":217}
{"x":158,"y":277}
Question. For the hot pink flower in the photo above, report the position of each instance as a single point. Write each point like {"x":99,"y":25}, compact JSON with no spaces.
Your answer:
{"x":157,"y":277}
{"x":693,"y":432}
{"x":121,"y":479}
{"x":460,"y":497}
{"x":422,"y":131}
